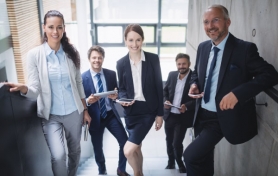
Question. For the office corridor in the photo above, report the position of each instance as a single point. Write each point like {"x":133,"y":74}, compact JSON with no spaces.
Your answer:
{"x":154,"y":152}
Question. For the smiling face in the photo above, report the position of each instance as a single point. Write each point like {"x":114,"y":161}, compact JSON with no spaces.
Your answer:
{"x":216,"y":25}
{"x":183,"y":65}
{"x":96,"y":60}
{"x":133,"y":42}
{"x":54,"y":29}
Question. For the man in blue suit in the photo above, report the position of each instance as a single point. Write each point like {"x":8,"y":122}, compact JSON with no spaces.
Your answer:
{"x":102,"y":110}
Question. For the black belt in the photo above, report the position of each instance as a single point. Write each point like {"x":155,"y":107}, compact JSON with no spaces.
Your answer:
{"x":207,"y":111}
{"x":206,"y":115}
{"x":175,"y":114}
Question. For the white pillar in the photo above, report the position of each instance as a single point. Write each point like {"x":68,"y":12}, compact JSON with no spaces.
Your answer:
{"x":83,"y":38}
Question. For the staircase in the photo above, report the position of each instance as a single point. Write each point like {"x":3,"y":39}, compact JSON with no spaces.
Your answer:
{"x":152,"y":167}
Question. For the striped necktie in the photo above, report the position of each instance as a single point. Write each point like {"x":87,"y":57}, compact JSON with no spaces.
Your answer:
{"x":102,"y":106}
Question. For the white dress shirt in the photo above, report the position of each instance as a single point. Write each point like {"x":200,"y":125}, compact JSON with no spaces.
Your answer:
{"x":94,"y":78}
{"x":136,"y":71}
{"x":178,"y":93}
{"x":215,"y":74}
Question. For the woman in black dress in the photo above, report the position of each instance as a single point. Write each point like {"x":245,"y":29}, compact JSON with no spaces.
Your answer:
{"x":140,"y":79}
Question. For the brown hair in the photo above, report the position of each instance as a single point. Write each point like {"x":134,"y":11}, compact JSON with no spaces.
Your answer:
{"x":97,"y":49}
{"x":136,"y":28}
{"x":182,"y":55}
{"x":68,"y":48}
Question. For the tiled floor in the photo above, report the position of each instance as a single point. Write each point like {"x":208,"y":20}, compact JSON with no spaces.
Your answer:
{"x":154,"y":152}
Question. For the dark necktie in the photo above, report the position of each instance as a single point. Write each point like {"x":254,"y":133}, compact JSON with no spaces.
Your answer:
{"x":102,"y":100}
{"x":212,"y":66}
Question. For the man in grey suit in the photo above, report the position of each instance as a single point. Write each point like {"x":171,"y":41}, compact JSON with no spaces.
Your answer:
{"x":179,"y":118}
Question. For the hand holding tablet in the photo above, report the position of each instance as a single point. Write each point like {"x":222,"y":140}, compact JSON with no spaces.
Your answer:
{"x":104,"y":94}
{"x":172,"y":105}
{"x":125,"y":101}
{"x":196,"y":95}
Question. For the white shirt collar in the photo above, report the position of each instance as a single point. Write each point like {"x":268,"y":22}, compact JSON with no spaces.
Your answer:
{"x":141,"y":59}
{"x":222,"y":44}
{"x":93,"y":73}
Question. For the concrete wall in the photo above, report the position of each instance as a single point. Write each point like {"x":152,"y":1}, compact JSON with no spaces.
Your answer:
{"x":259,"y":156}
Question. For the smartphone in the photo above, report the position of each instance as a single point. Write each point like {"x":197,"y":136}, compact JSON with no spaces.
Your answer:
{"x":125,"y":100}
{"x":86,"y":131}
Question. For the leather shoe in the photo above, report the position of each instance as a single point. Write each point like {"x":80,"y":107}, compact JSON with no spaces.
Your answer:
{"x":102,"y":173}
{"x":182,"y":170}
{"x":120,"y":173}
{"x":170,"y":167}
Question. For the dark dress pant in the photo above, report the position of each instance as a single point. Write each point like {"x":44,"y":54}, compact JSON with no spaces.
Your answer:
{"x":117,"y":130}
{"x":199,"y":155}
{"x":175,"y":129}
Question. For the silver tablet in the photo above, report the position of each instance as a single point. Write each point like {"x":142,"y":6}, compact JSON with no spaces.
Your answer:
{"x":104,"y":94}
{"x":172,"y":105}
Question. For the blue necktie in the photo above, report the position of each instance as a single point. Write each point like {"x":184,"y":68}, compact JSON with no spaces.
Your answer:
{"x":212,"y":66}
{"x":102,"y":100}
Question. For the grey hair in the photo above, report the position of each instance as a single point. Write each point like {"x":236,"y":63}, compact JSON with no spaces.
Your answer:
{"x":222,"y":8}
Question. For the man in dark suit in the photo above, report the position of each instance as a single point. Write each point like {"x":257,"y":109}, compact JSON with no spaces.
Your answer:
{"x":102,"y":110}
{"x":228,"y":73}
{"x":177,"y":120}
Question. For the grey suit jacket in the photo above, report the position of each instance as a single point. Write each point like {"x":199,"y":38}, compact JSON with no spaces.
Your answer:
{"x":169,"y":93}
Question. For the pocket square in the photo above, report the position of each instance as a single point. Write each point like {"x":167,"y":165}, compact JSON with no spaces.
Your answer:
{"x":233,"y":67}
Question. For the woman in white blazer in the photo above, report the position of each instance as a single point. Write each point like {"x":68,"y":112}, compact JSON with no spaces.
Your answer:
{"x":54,"y":79}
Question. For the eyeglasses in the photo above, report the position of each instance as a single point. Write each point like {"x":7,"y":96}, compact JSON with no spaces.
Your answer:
{"x":213,"y":21}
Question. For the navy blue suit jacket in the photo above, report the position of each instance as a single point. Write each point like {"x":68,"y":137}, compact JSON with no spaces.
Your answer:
{"x":169,"y":93}
{"x":151,"y":82}
{"x":94,"y":110}
{"x":242,"y":72}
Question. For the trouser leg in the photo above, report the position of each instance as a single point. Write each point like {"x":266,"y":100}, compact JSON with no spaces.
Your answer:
{"x":199,"y":155}
{"x":169,"y":131}
{"x":97,"y":141}
{"x":179,"y":134}
{"x":117,"y":130}
{"x":73,"y":126}
{"x":53,"y":133}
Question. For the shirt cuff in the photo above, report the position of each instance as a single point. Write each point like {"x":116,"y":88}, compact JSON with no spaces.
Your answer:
{"x":87,"y":102}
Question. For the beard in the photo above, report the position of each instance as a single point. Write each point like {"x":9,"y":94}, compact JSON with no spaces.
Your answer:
{"x":219,"y":36}
{"x":183,"y":70}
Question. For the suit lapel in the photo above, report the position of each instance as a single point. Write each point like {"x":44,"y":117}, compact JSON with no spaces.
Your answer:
{"x":186,"y":86}
{"x":90,"y":81}
{"x":203,"y":67}
{"x":107,"y":79}
{"x":128,"y":74}
{"x":144,"y":70}
{"x":225,"y":59}
{"x":173,"y":84}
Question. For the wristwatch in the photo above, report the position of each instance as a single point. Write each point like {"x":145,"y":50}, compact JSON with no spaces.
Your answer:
{"x":85,"y":109}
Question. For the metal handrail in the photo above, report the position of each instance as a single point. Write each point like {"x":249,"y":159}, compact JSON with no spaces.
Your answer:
{"x":272,"y":93}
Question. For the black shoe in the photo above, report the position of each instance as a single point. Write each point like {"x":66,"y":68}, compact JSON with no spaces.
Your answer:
{"x":182,"y":170}
{"x":120,"y":173}
{"x":170,"y":166}
{"x":102,"y":173}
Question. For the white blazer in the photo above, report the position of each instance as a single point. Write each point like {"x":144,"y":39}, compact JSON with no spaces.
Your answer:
{"x":39,"y":86}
